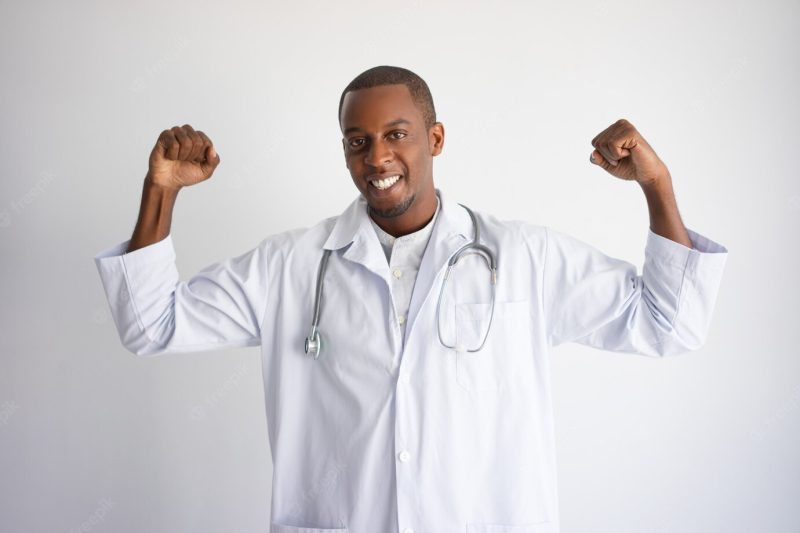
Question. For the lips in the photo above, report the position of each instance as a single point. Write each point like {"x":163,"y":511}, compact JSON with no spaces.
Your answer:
{"x":383,"y":176}
{"x":384,"y":181}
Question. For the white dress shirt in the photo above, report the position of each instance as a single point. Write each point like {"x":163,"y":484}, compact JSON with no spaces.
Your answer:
{"x":404,"y":255}
{"x":384,"y":435}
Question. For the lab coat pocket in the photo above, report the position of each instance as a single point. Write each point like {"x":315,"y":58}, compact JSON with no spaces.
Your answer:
{"x":538,"y":527}
{"x":487,"y":369}
{"x":280,"y":528}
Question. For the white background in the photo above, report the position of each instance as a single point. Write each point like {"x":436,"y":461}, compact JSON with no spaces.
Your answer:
{"x":95,"y":439}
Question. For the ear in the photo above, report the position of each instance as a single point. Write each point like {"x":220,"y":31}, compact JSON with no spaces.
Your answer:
{"x":436,"y":138}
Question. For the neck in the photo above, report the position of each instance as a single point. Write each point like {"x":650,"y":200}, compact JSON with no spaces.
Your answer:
{"x":416,"y":217}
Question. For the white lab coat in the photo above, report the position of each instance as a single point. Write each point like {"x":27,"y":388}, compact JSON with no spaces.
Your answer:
{"x":377,"y":436}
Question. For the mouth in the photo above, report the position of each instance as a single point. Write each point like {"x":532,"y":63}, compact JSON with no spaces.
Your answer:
{"x":384,"y":184}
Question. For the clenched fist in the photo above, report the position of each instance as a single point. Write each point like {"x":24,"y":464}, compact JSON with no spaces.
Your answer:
{"x":622,"y":152}
{"x":182,"y":157}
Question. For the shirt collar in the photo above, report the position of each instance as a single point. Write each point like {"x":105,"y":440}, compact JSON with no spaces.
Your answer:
{"x":417,"y":237}
{"x":354,"y":224}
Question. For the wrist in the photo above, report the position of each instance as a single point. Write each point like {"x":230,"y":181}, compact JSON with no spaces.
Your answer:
{"x":154,"y":187}
{"x":657,"y":187}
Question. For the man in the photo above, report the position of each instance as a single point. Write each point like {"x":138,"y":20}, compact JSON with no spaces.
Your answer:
{"x":425,"y":410}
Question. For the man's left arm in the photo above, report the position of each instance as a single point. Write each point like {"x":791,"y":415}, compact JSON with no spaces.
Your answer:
{"x":600,"y":301}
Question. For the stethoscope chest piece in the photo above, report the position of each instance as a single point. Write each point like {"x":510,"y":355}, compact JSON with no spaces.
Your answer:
{"x":313,"y":345}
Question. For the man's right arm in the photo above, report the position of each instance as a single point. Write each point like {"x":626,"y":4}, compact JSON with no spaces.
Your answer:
{"x":154,"y":312}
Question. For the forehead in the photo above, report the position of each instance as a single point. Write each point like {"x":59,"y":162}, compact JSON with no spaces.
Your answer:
{"x":371,"y":109}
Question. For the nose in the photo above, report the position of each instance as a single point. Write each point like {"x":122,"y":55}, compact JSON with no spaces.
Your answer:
{"x":378,"y":154}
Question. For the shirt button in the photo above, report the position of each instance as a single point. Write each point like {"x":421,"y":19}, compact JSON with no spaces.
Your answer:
{"x":408,"y":530}
{"x":401,"y":320}
{"x":404,"y":456}
{"x":397,"y":273}
{"x":405,"y":379}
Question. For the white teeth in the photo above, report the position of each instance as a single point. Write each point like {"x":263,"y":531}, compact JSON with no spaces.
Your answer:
{"x":385,"y":183}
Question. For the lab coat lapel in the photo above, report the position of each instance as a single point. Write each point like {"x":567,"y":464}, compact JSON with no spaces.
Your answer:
{"x":451,"y":230}
{"x":353,"y":226}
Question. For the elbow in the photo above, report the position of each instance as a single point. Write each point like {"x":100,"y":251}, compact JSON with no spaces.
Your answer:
{"x":139,"y":342}
{"x":145,"y":351}
{"x":683,"y":333}
{"x":677,"y":341}
{"x":143,"y":347}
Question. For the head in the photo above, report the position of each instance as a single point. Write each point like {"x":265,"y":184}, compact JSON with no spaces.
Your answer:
{"x":389,"y":128}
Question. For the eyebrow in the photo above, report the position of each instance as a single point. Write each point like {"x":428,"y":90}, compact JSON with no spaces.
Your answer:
{"x":396,"y":122}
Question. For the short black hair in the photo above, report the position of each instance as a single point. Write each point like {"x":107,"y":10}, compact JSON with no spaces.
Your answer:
{"x":388,"y":75}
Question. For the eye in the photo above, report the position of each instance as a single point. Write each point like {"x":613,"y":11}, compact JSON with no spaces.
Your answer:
{"x":401,"y":133}
{"x":353,"y":142}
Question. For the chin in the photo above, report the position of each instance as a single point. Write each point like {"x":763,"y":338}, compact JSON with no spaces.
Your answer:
{"x":393,"y":211}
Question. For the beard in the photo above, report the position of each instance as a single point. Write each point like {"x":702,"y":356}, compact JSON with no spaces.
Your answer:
{"x":394,"y":211}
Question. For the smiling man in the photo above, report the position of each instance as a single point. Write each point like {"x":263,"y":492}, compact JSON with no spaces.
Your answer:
{"x":390,"y":138}
{"x":420,"y":401}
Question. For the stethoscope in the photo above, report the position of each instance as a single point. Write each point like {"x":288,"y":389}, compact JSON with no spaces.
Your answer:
{"x":313,"y":343}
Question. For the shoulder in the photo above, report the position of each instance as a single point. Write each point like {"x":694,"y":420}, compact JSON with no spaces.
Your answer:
{"x":290,"y":241}
{"x":513,"y":231}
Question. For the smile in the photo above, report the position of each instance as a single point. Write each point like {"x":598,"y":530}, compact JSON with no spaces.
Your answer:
{"x":385,"y":183}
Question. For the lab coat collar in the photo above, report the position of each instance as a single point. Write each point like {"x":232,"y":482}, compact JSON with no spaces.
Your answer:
{"x":451,"y":230}
{"x":353,"y":224}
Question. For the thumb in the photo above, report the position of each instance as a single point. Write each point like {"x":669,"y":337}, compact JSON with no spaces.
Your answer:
{"x":598,"y":159}
{"x":212,"y":160}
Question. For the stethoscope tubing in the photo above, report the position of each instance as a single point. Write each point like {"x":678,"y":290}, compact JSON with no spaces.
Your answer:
{"x":313,"y":343}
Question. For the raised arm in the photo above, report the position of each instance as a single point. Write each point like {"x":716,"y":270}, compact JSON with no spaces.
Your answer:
{"x":597,"y":300}
{"x":154,"y":311}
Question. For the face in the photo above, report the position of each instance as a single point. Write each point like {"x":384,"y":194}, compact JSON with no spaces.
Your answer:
{"x":389,"y":152}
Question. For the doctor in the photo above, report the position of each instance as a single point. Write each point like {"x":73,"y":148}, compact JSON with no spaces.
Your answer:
{"x":400,"y":424}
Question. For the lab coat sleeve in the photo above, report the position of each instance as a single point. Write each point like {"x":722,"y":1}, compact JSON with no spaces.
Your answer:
{"x":221,"y":306}
{"x":596,"y":300}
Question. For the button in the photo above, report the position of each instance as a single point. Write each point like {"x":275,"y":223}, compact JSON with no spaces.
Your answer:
{"x":404,"y":456}
{"x":408,"y":530}
{"x":404,"y":378}
{"x":401,"y":320}
{"x":397,"y":273}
